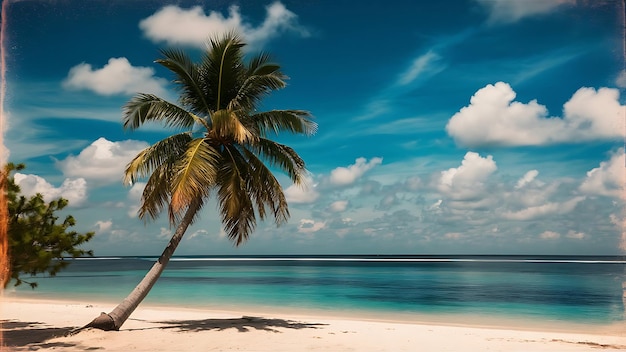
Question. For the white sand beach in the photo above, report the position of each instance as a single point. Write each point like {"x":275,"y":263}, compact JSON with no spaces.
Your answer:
{"x":29,"y":325}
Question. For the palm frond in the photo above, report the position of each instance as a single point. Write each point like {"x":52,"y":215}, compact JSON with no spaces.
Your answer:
{"x":283,"y":157}
{"x":259,"y":79}
{"x":148,"y":107}
{"x":194,"y":175}
{"x":188,"y":79}
{"x":156,"y":193}
{"x":265,"y":189}
{"x":236,"y":207}
{"x":293,"y":121}
{"x":260,"y":64}
{"x":227,"y":125}
{"x":160,"y":153}
{"x":223,"y":68}
{"x":255,"y":88}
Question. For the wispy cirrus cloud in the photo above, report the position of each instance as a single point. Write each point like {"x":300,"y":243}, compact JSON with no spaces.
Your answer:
{"x":508,"y":11}
{"x":428,"y":64}
{"x":192,"y":27}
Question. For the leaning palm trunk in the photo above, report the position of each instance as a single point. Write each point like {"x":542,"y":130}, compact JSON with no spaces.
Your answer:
{"x":226,"y":158}
{"x":119,"y":315}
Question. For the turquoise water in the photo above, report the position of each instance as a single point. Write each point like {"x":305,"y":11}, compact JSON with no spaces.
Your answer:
{"x":581,"y":289}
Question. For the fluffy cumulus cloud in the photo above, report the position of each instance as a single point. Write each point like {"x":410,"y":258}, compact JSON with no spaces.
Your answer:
{"x":192,"y":27}
{"x":134,"y":197}
{"x":505,"y":11}
{"x":467,"y":181}
{"x":310,"y":226}
{"x":494,"y":118}
{"x":74,"y":190}
{"x":102,"y":161}
{"x":118,"y":76}
{"x":103,"y":226}
{"x":575,"y":235}
{"x":550,"y":235}
{"x":339,"y":206}
{"x":608,"y":179}
{"x":343,"y":176}
{"x":306,"y":193}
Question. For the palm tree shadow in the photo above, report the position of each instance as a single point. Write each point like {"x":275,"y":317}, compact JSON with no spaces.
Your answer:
{"x":243,"y":324}
{"x":20,"y":334}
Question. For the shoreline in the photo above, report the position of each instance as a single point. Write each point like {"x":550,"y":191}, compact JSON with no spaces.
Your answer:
{"x":32,"y":324}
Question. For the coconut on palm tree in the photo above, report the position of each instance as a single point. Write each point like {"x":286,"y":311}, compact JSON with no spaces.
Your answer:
{"x":228,"y":159}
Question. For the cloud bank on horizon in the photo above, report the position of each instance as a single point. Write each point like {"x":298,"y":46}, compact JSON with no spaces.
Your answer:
{"x":474,"y":137}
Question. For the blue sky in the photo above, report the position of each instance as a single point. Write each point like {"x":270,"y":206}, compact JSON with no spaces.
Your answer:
{"x":445,"y":127}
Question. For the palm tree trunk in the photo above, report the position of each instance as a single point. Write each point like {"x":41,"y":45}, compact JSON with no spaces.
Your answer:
{"x":119,"y":315}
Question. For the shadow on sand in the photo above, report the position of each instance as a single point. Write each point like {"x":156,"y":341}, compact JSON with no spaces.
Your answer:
{"x":242,"y":324}
{"x":20,"y":334}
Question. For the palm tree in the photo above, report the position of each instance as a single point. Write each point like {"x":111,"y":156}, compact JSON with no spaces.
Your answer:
{"x":221,"y":147}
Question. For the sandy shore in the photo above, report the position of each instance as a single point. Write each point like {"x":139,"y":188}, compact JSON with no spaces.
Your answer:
{"x":29,"y":325}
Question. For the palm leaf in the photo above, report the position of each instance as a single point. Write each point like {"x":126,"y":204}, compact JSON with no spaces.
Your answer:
{"x":194,"y":175}
{"x":227,"y":125}
{"x":223,"y":67}
{"x":293,"y":121}
{"x":254,"y":88}
{"x":266,"y":190}
{"x":283,"y":157}
{"x":148,"y":107}
{"x":236,"y":207}
{"x":156,"y":193}
{"x":188,"y":79}
{"x":149,"y":159}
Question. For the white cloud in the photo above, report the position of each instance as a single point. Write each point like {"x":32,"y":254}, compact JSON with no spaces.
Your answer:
{"x":467,"y":181}
{"x":134,"y":196}
{"x":193,"y":27}
{"x":103,"y":226}
{"x":543,"y":210}
{"x":198,"y":233}
{"x":165,"y":233}
{"x":506,"y":11}
{"x":339,"y":206}
{"x":302,"y":194}
{"x":413,"y":183}
{"x":609,"y":178}
{"x":453,"y":236}
{"x":550,"y":235}
{"x":347,"y":175}
{"x":74,"y":190}
{"x":526,"y":179}
{"x":103,"y":161}
{"x":493,"y":118}
{"x":420,"y":66}
{"x":118,"y":76}
{"x":310,"y":226}
{"x":575,"y":235}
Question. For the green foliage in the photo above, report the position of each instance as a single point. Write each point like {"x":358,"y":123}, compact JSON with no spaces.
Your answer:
{"x":38,"y":242}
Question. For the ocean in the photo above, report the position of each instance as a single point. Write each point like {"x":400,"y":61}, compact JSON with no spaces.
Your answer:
{"x":583,"y":289}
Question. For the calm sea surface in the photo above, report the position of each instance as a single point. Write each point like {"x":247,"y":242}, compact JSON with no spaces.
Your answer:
{"x":555,"y":288}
